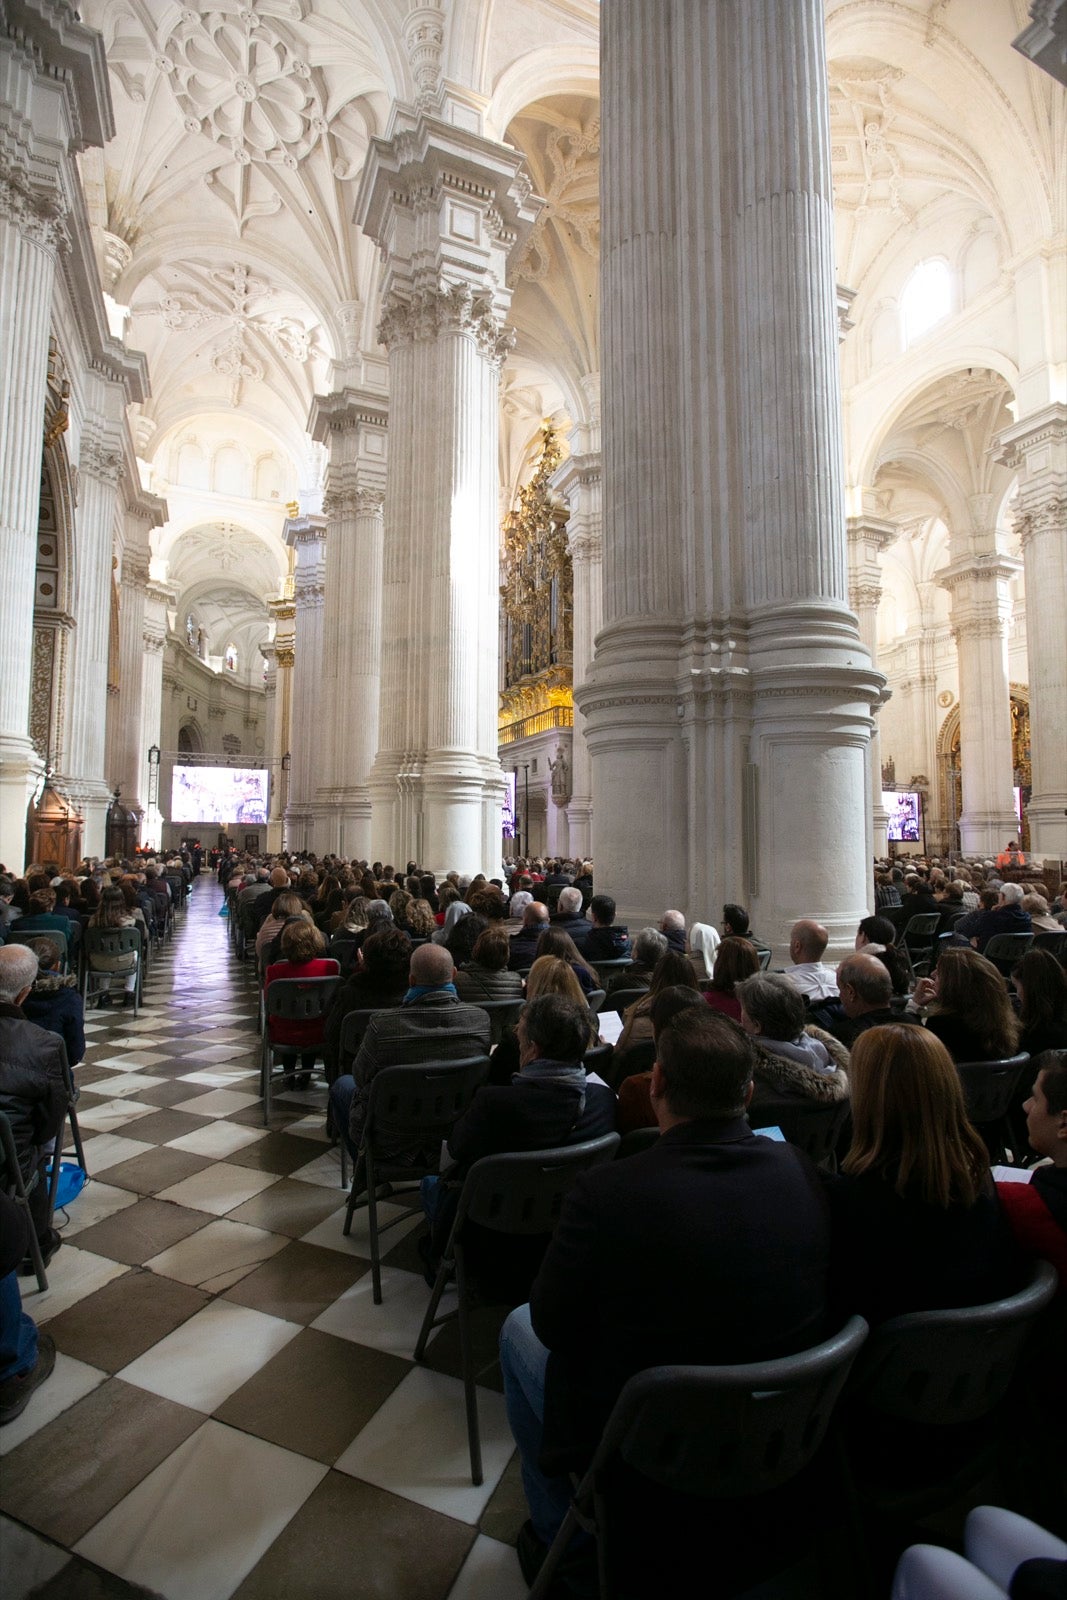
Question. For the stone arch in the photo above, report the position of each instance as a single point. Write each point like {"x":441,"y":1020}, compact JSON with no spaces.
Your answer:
{"x":190,"y":738}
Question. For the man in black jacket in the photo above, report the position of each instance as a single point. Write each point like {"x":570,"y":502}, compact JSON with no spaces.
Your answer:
{"x":710,"y":1247}
{"x":33,"y":1090}
{"x":524,"y":943}
{"x":567,"y":917}
{"x":604,"y":941}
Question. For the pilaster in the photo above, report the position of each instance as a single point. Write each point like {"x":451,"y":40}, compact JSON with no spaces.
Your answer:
{"x":352,"y":425}
{"x":307,"y":535}
{"x":281,"y":656}
{"x":1036,"y":449}
{"x":868,"y":538}
{"x":448,"y":207}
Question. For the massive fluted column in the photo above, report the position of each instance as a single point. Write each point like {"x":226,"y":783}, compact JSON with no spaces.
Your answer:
{"x":352,"y":426}
{"x":281,"y":658}
{"x":981,"y":611}
{"x":867,"y":538}
{"x":124,"y":711}
{"x":447,"y":207}
{"x":1036,"y":448}
{"x":100,"y":470}
{"x":729,"y":706}
{"x":157,"y":598}
{"x":580,"y":480}
{"x":307,"y":535}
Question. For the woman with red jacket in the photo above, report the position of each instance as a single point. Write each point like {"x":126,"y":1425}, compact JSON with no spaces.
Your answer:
{"x":302,"y":947}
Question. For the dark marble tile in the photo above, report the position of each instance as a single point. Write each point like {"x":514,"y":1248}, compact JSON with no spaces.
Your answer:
{"x":165,"y":1125}
{"x":351,"y":1541}
{"x":141,"y":1231}
{"x":299,"y":1282}
{"x":69,"y":1474}
{"x":506,"y":1509}
{"x":169,"y":1094}
{"x":278,"y":1152}
{"x":112,"y":1327}
{"x":157,"y":1169}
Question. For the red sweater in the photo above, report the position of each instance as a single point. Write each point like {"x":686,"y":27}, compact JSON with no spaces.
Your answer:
{"x":283,"y":1031}
{"x":1037,"y":1232}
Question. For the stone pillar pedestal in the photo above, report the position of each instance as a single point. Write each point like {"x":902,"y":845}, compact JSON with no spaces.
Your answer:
{"x":352,"y":425}
{"x":867,"y":538}
{"x":580,"y":480}
{"x":1036,"y":448}
{"x":308,"y":727}
{"x":447,"y":206}
{"x":100,"y":469}
{"x":981,"y":610}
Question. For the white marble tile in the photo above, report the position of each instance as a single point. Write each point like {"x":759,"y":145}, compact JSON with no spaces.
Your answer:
{"x":221,"y":1077}
{"x":70,"y":1382}
{"x":72,"y":1274}
{"x":329,"y":1233}
{"x":108,"y":1149}
{"x":96,"y":1201}
{"x":26,"y":1560}
{"x":313,"y":1127}
{"x":218,"y":1052}
{"x":146,"y":1059}
{"x":218,"y":1255}
{"x":218,"y":1188}
{"x":197,"y":1525}
{"x":219,"y":1103}
{"x":218,"y":1139}
{"x":392,"y":1326}
{"x":325,"y":1169}
{"x":126,"y":1085}
{"x":415,"y":1445}
{"x":110,"y":1116}
{"x":239,"y":1340}
{"x":490,"y":1572}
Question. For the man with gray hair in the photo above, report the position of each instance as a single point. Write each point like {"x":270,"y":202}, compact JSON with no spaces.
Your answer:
{"x":33,"y":1090}
{"x":672,"y":927}
{"x":865,"y":989}
{"x":649,"y":945}
{"x":1007,"y":916}
{"x":568,"y":918}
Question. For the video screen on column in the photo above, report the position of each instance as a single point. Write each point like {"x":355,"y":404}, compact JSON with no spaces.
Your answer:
{"x":904,"y":810}
{"x":219,"y":794}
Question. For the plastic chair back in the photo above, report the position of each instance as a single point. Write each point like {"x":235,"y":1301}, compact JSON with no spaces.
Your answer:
{"x":417,"y":1106}
{"x":606,"y":970}
{"x":811,"y":1126}
{"x":1006,"y":950}
{"x":111,"y":942}
{"x":502,"y":1015}
{"x":300,"y":999}
{"x":921,"y":928}
{"x":58,"y":939}
{"x":989,"y":1087}
{"x":722,"y":1432}
{"x":948,"y":1367}
{"x":522,"y":1192}
{"x":598,"y":1059}
{"x":626,"y":997}
{"x":1055,"y":942}
{"x":595,"y":999}
{"x":764,"y":954}
{"x":354,"y":1027}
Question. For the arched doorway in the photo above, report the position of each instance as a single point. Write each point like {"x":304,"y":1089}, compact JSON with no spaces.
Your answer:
{"x":950,"y":777}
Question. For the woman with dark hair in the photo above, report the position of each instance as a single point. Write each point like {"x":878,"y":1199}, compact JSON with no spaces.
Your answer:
{"x":635,"y":1100}
{"x":485,"y":976}
{"x":421,"y":924}
{"x":970,"y":1010}
{"x":447,"y":895}
{"x":915,"y":1220}
{"x":672,"y":971}
{"x":735,"y":959}
{"x":428,"y":889}
{"x":463,"y":936}
{"x":302,"y":946}
{"x":380,"y":980}
{"x":1041,"y":987}
{"x":554,"y":942}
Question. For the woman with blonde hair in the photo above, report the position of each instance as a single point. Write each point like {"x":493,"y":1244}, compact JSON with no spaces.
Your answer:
{"x":548,"y":975}
{"x":916,"y":1225}
{"x":969,"y":1007}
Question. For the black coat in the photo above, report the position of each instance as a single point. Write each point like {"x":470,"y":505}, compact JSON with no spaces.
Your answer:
{"x":524,"y":946}
{"x":606,"y":944}
{"x":712,"y":1246}
{"x":33,"y":1091}
{"x":54,"y":1003}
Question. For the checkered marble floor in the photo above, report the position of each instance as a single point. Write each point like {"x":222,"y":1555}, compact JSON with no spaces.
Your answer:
{"x":230,"y":1413}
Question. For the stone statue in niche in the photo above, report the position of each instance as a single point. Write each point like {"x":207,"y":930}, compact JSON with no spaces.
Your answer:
{"x":561,"y":774}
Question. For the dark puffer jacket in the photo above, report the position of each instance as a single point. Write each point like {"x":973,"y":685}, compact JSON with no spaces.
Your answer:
{"x":55,"y":1003}
{"x":33,"y":1092}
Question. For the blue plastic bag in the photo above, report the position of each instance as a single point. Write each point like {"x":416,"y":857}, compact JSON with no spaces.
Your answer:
{"x":71,"y":1182}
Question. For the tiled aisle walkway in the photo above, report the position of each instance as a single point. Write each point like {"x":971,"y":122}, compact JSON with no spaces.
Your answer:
{"x":230,"y":1413}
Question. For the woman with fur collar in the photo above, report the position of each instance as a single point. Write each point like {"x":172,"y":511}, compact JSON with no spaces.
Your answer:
{"x":792,"y":1059}
{"x":54,"y":1002}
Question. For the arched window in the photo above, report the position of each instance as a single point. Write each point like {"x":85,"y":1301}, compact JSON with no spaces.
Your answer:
{"x":926,"y":300}
{"x":230,"y":658}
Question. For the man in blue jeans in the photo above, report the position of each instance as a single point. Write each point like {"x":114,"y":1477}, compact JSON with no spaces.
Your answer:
{"x":710,"y":1247}
{"x":26,"y":1356}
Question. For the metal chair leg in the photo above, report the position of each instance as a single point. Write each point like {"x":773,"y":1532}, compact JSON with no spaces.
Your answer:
{"x":470,"y":1388}
{"x":444,"y":1273}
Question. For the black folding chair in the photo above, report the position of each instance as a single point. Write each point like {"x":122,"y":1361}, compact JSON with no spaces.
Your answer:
{"x":15,"y":936}
{"x":934,"y":1372}
{"x":502,"y":1014}
{"x":814,"y":1127}
{"x":1006,"y":950}
{"x":110,"y":942}
{"x":595,"y":999}
{"x":990,"y":1089}
{"x":623,"y":998}
{"x":606,"y":970}
{"x":410,"y":1111}
{"x":518,"y":1194}
{"x":1056,"y":943}
{"x":291,"y":1000}
{"x":18,"y":1190}
{"x":917,"y":939}
{"x":73,"y":1094}
{"x":718,"y":1433}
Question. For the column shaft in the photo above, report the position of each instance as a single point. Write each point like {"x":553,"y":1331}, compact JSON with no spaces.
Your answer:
{"x":308,"y":534}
